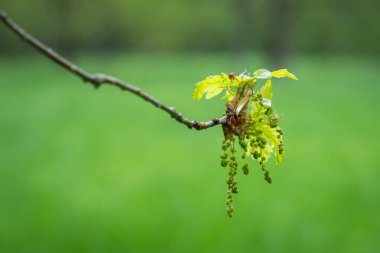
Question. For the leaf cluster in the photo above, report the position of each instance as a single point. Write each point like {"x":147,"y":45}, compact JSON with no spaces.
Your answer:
{"x":251,"y":120}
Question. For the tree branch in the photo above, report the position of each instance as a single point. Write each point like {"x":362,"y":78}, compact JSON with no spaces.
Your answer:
{"x":99,"y":79}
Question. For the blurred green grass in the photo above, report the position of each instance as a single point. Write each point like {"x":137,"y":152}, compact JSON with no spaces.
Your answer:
{"x":84,"y":170}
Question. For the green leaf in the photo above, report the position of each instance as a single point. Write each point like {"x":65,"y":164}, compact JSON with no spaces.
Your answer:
{"x":283,"y":73}
{"x":211,"y":86}
{"x":266,"y":90}
{"x":262,"y":74}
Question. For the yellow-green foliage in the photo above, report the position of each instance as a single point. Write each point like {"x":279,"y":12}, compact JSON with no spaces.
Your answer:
{"x":250,"y":117}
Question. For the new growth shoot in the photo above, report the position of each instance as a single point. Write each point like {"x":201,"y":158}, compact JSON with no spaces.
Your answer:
{"x":252,"y":122}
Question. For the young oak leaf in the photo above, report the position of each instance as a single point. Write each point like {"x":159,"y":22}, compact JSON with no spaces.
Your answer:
{"x":275,"y":141}
{"x":211,"y":86}
{"x":214,"y":85}
{"x":283,"y":73}
{"x":262,"y":74}
{"x":266,"y":90}
{"x":229,"y":94}
{"x":266,"y":74}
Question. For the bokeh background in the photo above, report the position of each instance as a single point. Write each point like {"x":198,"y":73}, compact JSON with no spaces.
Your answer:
{"x":84,"y":170}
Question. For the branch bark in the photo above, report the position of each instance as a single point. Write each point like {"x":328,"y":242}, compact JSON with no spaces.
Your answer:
{"x":99,"y":79}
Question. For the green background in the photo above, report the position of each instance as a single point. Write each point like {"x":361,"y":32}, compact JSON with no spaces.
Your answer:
{"x":85,"y":170}
{"x":293,"y":26}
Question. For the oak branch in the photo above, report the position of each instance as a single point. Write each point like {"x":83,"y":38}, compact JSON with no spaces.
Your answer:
{"x":99,"y":79}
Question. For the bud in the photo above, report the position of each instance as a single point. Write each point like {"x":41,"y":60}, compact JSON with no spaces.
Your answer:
{"x":245,"y":169}
{"x":231,"y":75}
{"x":256,"y":155}
{"x":230,"y":210}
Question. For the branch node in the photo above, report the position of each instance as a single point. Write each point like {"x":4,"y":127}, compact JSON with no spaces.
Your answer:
{"x":197,"y":125}
{"x":177,"y":116}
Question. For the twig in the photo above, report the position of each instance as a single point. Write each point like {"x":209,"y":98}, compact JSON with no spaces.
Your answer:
{"x":98,"y":79}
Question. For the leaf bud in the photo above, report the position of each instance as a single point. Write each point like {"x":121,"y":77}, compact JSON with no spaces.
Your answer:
{"x":230,"y":210}
{"x":245,"y":169}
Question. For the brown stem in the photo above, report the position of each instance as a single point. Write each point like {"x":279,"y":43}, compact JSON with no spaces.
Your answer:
{"x":98,"y":79}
